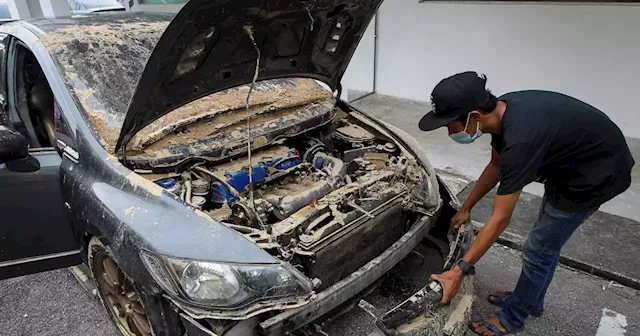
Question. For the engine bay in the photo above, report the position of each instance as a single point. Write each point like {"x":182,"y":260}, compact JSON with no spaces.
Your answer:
{"x":327,"y":201}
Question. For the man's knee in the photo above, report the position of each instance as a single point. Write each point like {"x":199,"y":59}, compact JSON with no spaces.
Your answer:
{"x":529,"y":253}
{"x":534,"y":253}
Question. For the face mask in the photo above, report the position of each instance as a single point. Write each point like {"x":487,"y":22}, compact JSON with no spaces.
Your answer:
{"x":464,"y":137}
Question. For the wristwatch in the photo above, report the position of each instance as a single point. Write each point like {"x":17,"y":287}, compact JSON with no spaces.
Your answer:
{"x":466,"y":268}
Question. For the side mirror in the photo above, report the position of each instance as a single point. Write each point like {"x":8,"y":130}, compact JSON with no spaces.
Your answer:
{"x":13,"y":146}
{"x":28,"y":164}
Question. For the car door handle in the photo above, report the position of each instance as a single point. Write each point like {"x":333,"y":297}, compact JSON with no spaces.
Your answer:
{"x":67,"y":151}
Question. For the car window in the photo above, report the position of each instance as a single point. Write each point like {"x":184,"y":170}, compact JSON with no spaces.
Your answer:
{"x":63,"y":133}
{"x":4,"y":118}
{"x":31,"y":101}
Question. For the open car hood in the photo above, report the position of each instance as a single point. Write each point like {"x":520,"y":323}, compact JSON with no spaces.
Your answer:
{"x":207,"y":48}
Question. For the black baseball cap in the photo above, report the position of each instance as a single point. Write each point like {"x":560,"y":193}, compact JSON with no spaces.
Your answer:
{"x":454,"y":97}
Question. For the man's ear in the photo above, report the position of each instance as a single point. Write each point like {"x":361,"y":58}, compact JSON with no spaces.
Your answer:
{"x":475,"y":115}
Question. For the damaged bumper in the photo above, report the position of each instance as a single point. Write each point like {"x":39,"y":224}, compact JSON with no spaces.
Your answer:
{"x":293,"y":317}
{"x":437,"y":320}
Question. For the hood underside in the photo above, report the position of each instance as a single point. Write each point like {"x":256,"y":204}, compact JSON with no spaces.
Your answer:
{"x":208,"y":47}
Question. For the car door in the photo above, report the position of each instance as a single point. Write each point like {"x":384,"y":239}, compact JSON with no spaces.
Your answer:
{"x":35,"y":233}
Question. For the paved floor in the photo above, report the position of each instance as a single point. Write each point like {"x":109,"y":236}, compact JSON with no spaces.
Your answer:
{"x":50,"y":304}
{"x":574,"y":302}
{"x":606,"y":244}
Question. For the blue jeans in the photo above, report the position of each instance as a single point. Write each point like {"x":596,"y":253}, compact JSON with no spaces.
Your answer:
{"x":540,"y":256}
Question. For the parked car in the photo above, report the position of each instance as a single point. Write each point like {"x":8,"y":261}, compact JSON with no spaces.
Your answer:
{"x":205,"y":167}
{"x":95,"y":6}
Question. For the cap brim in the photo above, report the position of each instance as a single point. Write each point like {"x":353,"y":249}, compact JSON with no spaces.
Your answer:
{"x":430,"y":121}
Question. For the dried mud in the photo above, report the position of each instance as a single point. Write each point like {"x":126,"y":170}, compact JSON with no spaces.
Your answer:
{"x":102,"y":64}
{"x":221,"y":111}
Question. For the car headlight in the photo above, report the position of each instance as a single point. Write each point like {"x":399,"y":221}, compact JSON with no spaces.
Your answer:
{"x":225,"y":285}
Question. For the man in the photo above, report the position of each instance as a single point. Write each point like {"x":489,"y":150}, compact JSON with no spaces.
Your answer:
{"x":578,"y":153}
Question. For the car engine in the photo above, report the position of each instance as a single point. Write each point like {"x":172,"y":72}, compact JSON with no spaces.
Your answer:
{"x":327,"y":204}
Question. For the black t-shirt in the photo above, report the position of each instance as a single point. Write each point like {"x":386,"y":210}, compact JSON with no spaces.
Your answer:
{"x":574,"y":149}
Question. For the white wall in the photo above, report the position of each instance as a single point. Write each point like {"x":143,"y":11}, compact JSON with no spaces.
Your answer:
{"x":591,"y":52}
{"x":137,"y":6}
{"x":54,"y":8}
{"x":19,"y":9}
{"x":359,"y":75}
{"x":34,"y":8}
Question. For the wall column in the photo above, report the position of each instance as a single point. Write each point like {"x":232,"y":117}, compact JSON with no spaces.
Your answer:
{"x":54,"y":8}
{"x":19,"y":9}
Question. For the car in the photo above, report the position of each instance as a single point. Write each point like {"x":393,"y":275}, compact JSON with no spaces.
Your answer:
{"x":95,"y":6}
{"x":207,"y":171}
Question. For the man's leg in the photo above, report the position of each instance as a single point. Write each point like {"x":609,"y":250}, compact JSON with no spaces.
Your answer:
{"x":540,"y":302}
{"x":540,"y":258}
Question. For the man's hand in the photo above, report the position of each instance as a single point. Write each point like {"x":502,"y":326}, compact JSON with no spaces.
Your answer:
{"x":502,"y":211}
{"x":460,"y":218}
{"x":450,"y":281}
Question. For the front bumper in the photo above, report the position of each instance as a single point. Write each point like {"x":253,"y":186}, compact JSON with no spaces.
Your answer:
{"x":293,"y":317}
{"x":347,"y":288}
{"x":439,"y":320}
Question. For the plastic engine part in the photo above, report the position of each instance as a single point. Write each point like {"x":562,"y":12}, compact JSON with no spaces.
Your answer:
{"x":170,"y":184}
{"x":240,"y":180}
{"x":221,"y":195}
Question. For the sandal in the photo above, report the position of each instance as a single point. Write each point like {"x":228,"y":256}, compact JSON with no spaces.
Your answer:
{"x":492,"y":327}
{"x":499,"y":298}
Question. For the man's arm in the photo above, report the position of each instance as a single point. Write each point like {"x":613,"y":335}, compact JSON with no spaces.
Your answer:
{"x":497,"y":223}
{"x":493,"y":228}
{"x":489,"y":178}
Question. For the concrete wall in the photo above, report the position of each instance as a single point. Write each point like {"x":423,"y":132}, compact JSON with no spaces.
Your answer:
{"x":138,"y":5}
{"x":359,"y":75}
{"x":589,"y":51}
{"x":27,"y":9}
{"x":34,"y":8}
{"x":19,"y":9}
{"x":164,"y":8}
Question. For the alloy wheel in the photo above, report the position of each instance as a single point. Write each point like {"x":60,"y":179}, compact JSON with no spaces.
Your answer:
{"x":120,"y":297}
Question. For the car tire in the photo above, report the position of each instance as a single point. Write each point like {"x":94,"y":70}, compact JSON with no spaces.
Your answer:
{"x":117,"y":293}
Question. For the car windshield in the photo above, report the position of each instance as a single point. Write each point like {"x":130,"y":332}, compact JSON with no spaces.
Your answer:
{"x":102,"y":58}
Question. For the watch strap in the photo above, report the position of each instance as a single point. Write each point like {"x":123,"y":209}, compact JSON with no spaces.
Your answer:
{"x":466,"y":268}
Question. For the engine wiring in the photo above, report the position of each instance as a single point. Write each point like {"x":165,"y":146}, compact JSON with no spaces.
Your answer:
{"x":249,"y":30}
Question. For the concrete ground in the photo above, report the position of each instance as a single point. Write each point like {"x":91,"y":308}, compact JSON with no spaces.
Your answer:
{"x":48,"y":304}
{"x":53,"y":303}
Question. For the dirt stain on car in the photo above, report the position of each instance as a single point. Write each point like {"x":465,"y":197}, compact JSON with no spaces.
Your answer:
{"x":102,"y":64}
